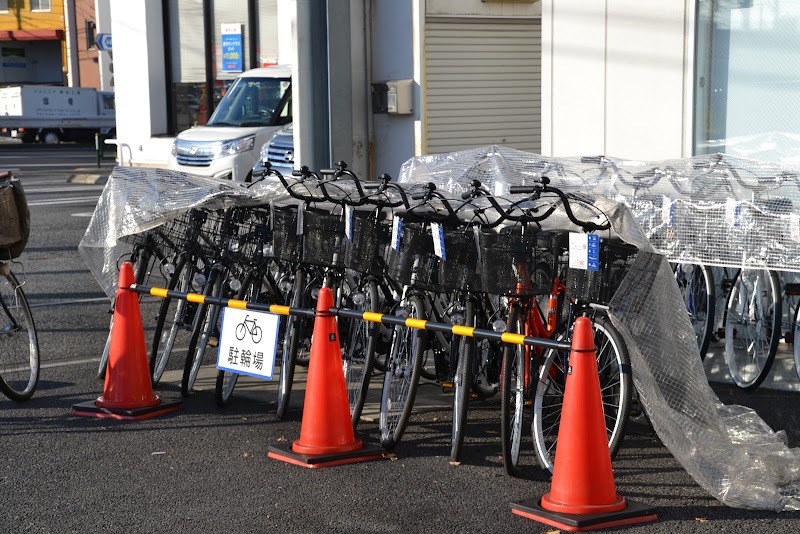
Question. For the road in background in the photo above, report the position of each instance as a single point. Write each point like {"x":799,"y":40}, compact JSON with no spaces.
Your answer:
{"x":205,"y":468}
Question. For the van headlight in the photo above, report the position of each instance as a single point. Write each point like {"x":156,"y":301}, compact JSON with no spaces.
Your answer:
{"x":242,"y":144}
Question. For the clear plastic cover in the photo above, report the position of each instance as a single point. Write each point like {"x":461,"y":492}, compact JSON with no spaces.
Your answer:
{"x":715,"y":209}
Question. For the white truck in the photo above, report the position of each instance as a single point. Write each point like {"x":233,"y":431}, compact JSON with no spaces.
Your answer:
{"x":53,"y":114}
{"x":254,"y":107}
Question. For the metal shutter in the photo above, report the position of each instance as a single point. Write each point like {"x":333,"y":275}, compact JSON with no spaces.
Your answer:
{"x":482,"y":83}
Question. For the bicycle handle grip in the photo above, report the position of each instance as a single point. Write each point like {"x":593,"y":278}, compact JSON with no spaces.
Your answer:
{"x":592,"y":159}
{"x":369,"y":185}
{"x":517,"y":189}
{"x":417,"y":196}
{"x":297,"y":173}
{"x":327,"y":172}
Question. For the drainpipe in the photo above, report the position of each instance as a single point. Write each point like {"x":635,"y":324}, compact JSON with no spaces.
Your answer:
{"x":71,"y":44}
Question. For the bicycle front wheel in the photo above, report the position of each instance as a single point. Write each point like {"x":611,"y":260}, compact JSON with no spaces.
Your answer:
{"x":696,"y":283}
{"x":512,"y":394}
{"x":463,"y":384}
{"x":752,"y":326}
{"x":175,"y":316}
{"x":19,"y":346}
{"x":403,"y":367}
{"x":616,"y":385}
{"x":290,"y":344}
{"x":207,"y":328}
{"x":359,"y":348}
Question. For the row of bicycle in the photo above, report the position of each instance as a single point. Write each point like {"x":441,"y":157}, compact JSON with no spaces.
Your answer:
{"x":413,"y":252}
{"x":752,"y":310}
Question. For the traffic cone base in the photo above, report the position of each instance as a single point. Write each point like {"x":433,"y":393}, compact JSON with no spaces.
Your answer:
{"x":362,"y":454}
{"x":93,"y":409}
{"x":128,"y":390}
{"x":632,"y":514}
{"x":582,"y":494}
{"x":326,"y":433}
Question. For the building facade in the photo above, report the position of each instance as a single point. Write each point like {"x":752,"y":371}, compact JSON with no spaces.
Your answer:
{"x":33,"y":46}
{"x":640,"y":79}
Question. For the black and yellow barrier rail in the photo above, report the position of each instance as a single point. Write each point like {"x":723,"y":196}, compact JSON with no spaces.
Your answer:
{"x":373,"y":317}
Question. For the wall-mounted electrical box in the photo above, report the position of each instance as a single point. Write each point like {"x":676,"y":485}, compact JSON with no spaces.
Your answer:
{"x":394,"y":97}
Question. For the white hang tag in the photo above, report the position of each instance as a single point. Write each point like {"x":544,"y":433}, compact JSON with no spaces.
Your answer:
{"x":397,"y":225}
{"x":584,"y":251}
{"x":437,"y":234}
{"x":794,"y":227}
{"x":732,"y":211}
{"x":668,"y":211}
{"x":348,"y":222}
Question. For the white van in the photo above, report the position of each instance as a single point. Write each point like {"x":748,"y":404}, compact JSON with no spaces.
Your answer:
{"x":254,"y":107}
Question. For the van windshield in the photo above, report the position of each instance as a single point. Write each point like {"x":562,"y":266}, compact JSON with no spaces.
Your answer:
{"x":254,"y":102}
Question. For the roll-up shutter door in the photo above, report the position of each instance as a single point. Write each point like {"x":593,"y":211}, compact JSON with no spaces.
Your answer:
{"x":482,"y":83}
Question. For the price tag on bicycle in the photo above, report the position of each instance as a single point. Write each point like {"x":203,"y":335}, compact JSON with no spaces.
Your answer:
{"x":248,"y":342}
{"x":584,"y":251}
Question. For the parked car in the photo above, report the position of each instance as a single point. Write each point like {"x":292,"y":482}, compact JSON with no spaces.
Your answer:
{"x":254,"y":107}
{"x":279,"y":151}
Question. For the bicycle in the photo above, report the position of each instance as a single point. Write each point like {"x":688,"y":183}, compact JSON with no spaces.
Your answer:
{"x":19,"y":343}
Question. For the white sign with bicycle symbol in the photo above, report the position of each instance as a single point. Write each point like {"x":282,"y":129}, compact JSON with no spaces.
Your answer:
{"x":248,"y":342}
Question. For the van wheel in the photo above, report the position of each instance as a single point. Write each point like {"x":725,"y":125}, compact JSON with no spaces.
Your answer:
{"x":50,"y":137}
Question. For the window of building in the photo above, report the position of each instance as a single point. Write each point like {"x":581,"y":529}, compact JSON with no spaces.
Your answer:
{"x":198,"y":78}
{"x":3,"y":6}
{"x":746,"y":65}
{"x":91,"y":37}
{"x":40,"y":5}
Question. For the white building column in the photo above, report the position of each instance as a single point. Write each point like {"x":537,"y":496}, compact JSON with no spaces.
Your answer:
{"x":139,"y":81}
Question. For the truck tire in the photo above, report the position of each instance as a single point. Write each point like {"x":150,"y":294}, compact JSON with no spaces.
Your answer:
{"x":28,"y":137}
{"x":50,"y":137}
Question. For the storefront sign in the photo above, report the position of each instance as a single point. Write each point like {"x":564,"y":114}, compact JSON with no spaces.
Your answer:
{"x":232,"y":48}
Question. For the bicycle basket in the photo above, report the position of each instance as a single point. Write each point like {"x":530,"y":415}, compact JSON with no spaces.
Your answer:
{"x":459,"y":269}
{"x":415,"y":263}
{"x":285,"y":239}
{"x":599,"y":286}
{"x":323,"y":239}
{"x":520,"y":264}
{"x":366,"y":253}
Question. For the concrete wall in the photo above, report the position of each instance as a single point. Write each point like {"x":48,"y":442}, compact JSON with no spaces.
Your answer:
{"x":616,"y":78}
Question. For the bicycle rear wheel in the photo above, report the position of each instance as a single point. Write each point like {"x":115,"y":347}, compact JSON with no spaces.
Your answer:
{"x":19,"y":345}
{"x":616,"y":385}
{"x":403,"y":367}
{"x":463,"y":384}
{"x":512,"y":394}
{"x":752,"y":326}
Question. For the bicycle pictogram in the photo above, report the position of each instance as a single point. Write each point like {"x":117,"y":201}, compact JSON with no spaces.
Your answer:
{"x":249,"y":326}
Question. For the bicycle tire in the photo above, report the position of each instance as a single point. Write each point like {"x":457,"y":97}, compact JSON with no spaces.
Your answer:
{"x":19,"y":343}
{"x":172,"y":318}
{"x":699,"y":295}
{"x":749,"y":351}
{"x":462,"y":384}
{"x":358,"y":352}
{"x":616,"y":386}
{"x":512,"y":394}
{"x":289,"y":344}
{"x":252,"y":291}
{"x":208,"y":320}
{"x":140,"y":272}
{"x":796,"y":340}
{"x":403,"y":367}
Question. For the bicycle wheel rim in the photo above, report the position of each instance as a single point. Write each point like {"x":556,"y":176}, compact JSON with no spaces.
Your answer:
{"x":289,"y":346}
{"x":226,"y":382}
{"x":462,"y":385}
{"x":207,"y":314}
{"x":752,"y":327}
{"x":512,"y":396}
{"x":359,"y":352}
{"x":613,"y":369}
{"x":403,"y":367}
{"x":19,"y":345}
{"x":170,"y":322}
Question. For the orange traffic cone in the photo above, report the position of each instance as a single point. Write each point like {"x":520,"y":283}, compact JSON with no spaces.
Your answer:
{"x":128,"y":392}
{"x":326,"y":433}
{"x":582,"y":494}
